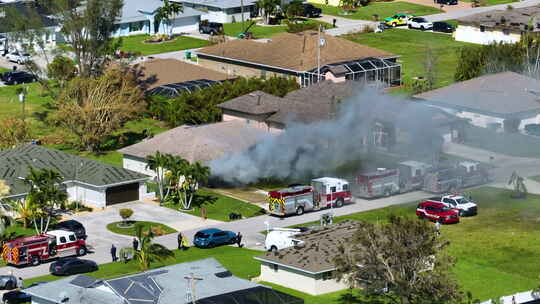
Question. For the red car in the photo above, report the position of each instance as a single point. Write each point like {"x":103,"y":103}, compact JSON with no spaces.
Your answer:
{"x":437,"y":212}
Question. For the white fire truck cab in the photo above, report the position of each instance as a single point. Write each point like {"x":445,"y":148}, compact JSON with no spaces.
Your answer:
{"x":279,"y":238}
{"x":324,"y":192}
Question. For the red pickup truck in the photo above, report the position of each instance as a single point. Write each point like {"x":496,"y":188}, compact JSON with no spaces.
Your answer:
{"x":437,"y":212}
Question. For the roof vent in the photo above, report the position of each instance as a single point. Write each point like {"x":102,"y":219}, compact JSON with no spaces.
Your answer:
{"x":223,"y":274}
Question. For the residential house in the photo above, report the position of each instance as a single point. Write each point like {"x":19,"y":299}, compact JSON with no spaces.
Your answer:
{"x":91,"y":182}
{"x":309,"y":266}
{"x":527,"y":297}
{"x":297,"y":55}
{"x":200,"y":143}
{"x":204,"y":281}
{"x":505,"y":25}
{"x":138,"y":18}
{"x":321,"y":101}
{"x":51,"y":28}
{"x":489,"y":100}
{"x":223,"y":11}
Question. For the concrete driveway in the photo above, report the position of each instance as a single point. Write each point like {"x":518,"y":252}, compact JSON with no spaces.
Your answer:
{"x":456,"y":14}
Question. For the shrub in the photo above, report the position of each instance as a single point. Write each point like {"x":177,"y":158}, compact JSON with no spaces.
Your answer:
{"x":364,"y":2}
{"x":301,"y":27}
{"x":77,"y":206}
{"x":157,"y":230}
{"x":125,"y":213}
{"x":367,"y":29}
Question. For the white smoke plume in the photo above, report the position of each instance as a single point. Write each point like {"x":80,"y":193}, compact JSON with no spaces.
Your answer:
{"x":308,"y":150}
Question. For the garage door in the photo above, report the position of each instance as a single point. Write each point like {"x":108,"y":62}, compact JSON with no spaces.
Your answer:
{"x":186,"y":24}
{"x":122,"y":194}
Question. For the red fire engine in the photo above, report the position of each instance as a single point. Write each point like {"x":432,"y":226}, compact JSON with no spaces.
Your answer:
{"x":324,"y":192}
{"x":34,"y":249}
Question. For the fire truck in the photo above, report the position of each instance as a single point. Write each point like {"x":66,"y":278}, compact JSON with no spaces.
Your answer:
{"x":323,"y":192}
{"x":32,"y":250}
{"x":415,"y":175}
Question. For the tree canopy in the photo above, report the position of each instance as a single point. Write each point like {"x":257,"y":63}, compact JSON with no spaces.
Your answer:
{"x":403,"y":261}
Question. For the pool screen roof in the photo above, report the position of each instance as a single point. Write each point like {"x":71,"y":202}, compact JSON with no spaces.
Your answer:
{"x":175,"y":89}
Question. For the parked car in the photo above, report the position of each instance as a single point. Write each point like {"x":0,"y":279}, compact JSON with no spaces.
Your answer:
{"x":464,"y":206}
{"x":17,"y":77}
{"x":419,"y":23}
{"x":8,"y":282}
{"x":437,"y":212}
{"x":16,"y":297}
{"x":311,"y":11}
{"x":212,"y":237}
{"x":17,"y":57}
{"x":67,"y":266}
{"x":447,"y":2}
{"x":442,"y":27}
{"x":397,"y":20}
{"x":72,"y":225}
{"x":212,"y":28}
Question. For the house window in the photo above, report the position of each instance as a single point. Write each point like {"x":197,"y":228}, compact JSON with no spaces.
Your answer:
{"x":274,"y":267}
{"x":136,"y":26}
{"x":235,"y":10}
{"x":327,"y":275}
{"x":506,"y":31}
{"x":482,"y":28}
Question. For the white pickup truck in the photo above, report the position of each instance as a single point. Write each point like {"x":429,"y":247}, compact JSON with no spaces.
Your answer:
{"x":464,"y":206}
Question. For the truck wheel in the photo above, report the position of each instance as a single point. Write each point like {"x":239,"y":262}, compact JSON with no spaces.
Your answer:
{"x":461,"y":213}
{"x":82,"y":251}
{"x":394,"y":24}
{"x":35,"y":261}
{"x":387,"y":192}
{"x":273,"y":248}
{"x":410,"y":26}
{"x":339,"y":203}
{"x":299,"y":210}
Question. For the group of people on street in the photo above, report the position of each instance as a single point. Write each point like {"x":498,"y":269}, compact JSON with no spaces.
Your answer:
{"x":182,"y":245}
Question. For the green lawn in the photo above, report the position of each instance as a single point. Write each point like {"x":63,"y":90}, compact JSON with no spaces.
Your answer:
{"x":218,"y":207}
{"x":492,"y":2}
{"x":233,"y":29}
{"x":131,"y":230}
{"x":382,"y":9}
{"x":135,"y":44}
{"x":228,"y":256}
{"x":496,"y":250}
{"x":412,"y":46}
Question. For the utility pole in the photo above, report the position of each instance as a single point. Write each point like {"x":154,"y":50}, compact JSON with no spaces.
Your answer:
{"x":191,"y":295}
{"x":242,"y":10}
{"x":319,"y":54}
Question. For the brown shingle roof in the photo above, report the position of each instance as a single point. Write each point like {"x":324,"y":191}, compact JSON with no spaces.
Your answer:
{"x":318,"y":251}
{"x":255,"y":103}
{"x":200,"y":143}
{"x":168,"y":71}
{"x":296,"y":52}
{"x":500,"y":94}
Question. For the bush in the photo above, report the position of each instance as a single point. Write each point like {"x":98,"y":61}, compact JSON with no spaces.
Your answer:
{"x":301,"y":27}
{"x":125,"y":213}
{"x":78,"y":206}
{"x":367,"y":29}
{"x":364,"y":2}
{"x":61,"y":69}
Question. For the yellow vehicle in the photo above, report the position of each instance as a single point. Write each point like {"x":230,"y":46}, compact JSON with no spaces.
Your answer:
{"x":397,"y":20}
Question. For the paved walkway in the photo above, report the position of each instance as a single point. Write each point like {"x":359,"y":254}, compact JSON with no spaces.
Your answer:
{"x":463,"y":13}
{"x":345,"y":25}
{"x":462,"y":5}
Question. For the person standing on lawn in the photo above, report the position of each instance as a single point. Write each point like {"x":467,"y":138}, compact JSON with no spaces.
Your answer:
{"x":135,"y":244}
{"x":180,"y":239}
{"x":239,"y":240}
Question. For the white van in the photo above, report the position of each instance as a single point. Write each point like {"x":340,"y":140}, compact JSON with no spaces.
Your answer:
{"x":279,"y":238}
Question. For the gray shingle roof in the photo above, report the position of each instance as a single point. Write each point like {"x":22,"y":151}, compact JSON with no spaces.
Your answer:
{"x":200,"y":143}
{"x":502,"y":94}
{"x":318,"y":251}
{"x":256,"y":103}
{"x":131,"y":11}
{"x":515,"y":19}
{"x":220,"y":3}
{"x":15,"y":163}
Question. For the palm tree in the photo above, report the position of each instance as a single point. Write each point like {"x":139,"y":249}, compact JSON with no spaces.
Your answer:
{"x":520,"y":190}
{"x":165,"y":13}
{"x":23,"y":209}
{"x":268,"y":8}
{"x":44,"y":195}
{"x":5,"y":220}
{"x":159,"y":164}
{"x":198,"y":174}
{"x":148,"y":252}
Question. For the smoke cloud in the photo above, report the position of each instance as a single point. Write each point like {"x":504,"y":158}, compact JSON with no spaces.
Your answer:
{"x":310,"y":150}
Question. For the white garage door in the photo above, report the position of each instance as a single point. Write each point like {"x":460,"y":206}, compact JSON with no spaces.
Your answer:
{"x":186,"y":25}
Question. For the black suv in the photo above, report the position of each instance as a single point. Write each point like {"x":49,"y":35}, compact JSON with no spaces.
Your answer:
{"x":17,"y":77}
{"x":447,"y":2}
{"x":311,"y":11}
{"x":212,"y":28}
{"x":442,"y":27}
{"x":72,"y":225}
